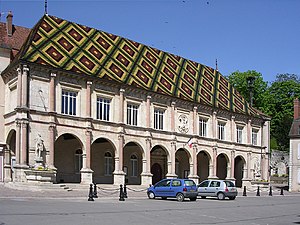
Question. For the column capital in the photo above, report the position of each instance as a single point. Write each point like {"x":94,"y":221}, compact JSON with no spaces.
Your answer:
{"x":88,"y":131}
{"x":149,"y":97}
{"x":25,"y":69}
{"x":195,"y":108}
{"x":232,"y":117}
{"x":173,"y":104}
{"x":122,"y":90}
{"x":53,"y":74}
{"x":19,"y":70}
{"x":89,"y":83}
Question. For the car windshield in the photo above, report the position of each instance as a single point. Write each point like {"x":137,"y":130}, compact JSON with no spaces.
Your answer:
{"x":189,"y":183}
{"x":229,"y":184}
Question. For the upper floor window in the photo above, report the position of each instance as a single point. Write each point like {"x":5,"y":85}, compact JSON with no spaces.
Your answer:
{"x":221,"y":131}
{"x":158,"y":119}
{"x":239,"y":134}
{"x":68,"y":102}
{"x":202,"y":127}
{"x":132,"y":114}
{"x":254,"y":136}
{"x":108,"y":164}
{"x":103,"y":108}
{"x":133,"y":161}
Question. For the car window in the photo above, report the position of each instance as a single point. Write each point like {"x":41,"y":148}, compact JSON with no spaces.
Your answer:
{"x":229,"y":183}
{"x":164,"y":183}
{"x":176,"y":183}
{"x":189,"y":183}
{"x":204,"y":183}
{"x":215,"y":184}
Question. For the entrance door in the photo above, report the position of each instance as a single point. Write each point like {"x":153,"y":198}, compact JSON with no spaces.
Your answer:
{"x":157,"y":173}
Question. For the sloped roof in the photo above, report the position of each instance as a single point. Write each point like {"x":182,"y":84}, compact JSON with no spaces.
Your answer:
{"x":72,"y":47}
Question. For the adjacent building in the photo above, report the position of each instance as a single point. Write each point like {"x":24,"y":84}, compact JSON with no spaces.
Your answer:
{"x":82,"y":105}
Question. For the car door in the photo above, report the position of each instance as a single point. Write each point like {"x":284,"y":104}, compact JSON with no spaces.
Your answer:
{"x":162,"y":188}
{"x":176,"y":186}
{"x":202,"y":188}
{"x":213,"y":188}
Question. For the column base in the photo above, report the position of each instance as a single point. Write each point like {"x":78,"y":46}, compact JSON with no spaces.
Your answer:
{"x":7,"y":173}
{"x":170,"y":176}
{"x":146,"y":179}
{"x":194,"y":177}
{"x":86,"y":176}
{"x":119,"y":177}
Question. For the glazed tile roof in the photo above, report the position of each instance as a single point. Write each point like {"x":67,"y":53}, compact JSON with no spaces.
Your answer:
{"x":72,"y":47}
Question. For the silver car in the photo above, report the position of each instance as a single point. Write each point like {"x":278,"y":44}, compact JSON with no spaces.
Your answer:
{"x":217,"y":188}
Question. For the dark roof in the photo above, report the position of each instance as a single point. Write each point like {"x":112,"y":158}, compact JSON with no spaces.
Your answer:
{"x":83,"y":50}
{"x":15,"y":41}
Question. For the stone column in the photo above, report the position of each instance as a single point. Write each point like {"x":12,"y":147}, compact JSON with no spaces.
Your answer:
{"x":52,"y":92}
{"x":193,"y":166}
{"x":88,"y":98}
{"x":121,"y":118}
{"x":233,"y":129}
{"x":52,"y":128}
{"x":171,"y":161}
{"x":7,"y":164}
{"x":24,"y":145}
{"x":86,"y":172}
{"x":195,"y":120}
{"x":214,"y":125}
{"x":173,"y":117}
{"x":146,"y":174}
{"x":119,"y":175}
{"x":249,"y":166}
{"x":19,"y":87}
{"x":249,"y":132}
{"x":232,"y":164}
{"x":213,"y":167}
{"x":18,"y":142}
{"x":25,"y":86}
{"x":148,"y":118}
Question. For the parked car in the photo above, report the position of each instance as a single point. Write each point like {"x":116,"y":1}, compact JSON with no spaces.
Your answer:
{"x":174,"y":188}
{"x":217,"y":188}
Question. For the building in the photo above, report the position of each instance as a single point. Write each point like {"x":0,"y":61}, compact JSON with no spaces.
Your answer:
{"x":83,"y":105}
{"x":294,"y":162}
{"x":11,"y":40}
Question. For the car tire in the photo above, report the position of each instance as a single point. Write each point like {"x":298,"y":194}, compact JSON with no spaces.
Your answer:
{"x":203,"y":197}
{"x":232,"y":197}
{"x":221,"y":196}
{"x":193,"y":199}
{"x":180,"y":197}
{"x":151,"y":195}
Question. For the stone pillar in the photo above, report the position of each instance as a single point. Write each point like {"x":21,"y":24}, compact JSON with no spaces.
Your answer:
{"x":146,"y":174}
{"x":173,"y":117}
{"x":121,"y":118}
{"x":214,"y":125}
{"x":24,"y":145}
{"x":247,"y":172}
{"x":171,"y":161}
{"x":7,"y":164}
{"x":119,"y":175}
{"x":195,"y":120}
{"x":213,"y":168}
{"x":88,"y":98}
{"x":193,"y":166}
{"x":18,"y":142}
{"x":249,"y":132}
{"x":148,"y":118}
{"x":249,"y":166}
{"x":232,"y":164}
{"x":50,"y":163}
{"x":25,"y":86}
{"x":19,"y":87}
{"x":86,"y":172}
{"x":52,"y":92}
{"x":233,"y":129}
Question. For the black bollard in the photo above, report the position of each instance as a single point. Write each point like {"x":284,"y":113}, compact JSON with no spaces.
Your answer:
{"x":257,"y":193}
{"x":270,"y":192}
{"x":281,"y":191}
{"x":121,"y":193}
{"x":91,"y":193}
{"x":95,"y":191}
{"x":125,"y":191}
{"x":244,"y":192}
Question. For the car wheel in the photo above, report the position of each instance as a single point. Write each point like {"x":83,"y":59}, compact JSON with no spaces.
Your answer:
{"x":203,"y":197}
{"x":221,"y":196}
{"x":151,"y":195}
{"x":180,"y":197}
{"x":193,"y":199}
{"x":232,"y":197}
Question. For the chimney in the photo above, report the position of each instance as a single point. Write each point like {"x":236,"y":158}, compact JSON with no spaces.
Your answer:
{"x":9,"y":25}
{"x":296,"y":108}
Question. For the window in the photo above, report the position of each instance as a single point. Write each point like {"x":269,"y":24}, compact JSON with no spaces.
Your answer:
{"x":68,"y":102}
{"x":164,"y":183}
{"x":215,"y":184}
{"x":239,"y":134}
{"x":132,"y":114}
{"x":78,"y":160}
{"x":103,"y":108}
{"x":108,"y":164}
{"x":133,"y":161}
{"x":158,"y":119}
{"x":204,"y":184}
{"x":254,"y":136}
{"x":202,"y":127}
{"x":176,"y":183}
{"x":221,"y":131}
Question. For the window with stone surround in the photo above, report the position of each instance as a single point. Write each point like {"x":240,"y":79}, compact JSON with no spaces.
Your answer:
{"x":203,"y":127}
{"x":158,"y":119}
{"x":132,"y":114}
{"x":103,"y":108}
{"x":68,"y":102}
{"x":254,"y":136}
{"x":239,"y":134}
{"x":221,"y":130}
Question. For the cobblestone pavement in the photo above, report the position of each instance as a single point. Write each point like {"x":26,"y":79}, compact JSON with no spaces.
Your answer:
{"x":17,"y":190}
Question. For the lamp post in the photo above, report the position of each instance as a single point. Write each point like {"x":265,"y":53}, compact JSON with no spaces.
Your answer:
{"x":250,"y":83}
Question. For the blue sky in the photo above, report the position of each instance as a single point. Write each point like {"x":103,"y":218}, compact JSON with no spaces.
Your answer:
{"x":261,"y":35}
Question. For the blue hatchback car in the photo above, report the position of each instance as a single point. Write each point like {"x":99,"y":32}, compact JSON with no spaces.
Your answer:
{"x":174,"y":188}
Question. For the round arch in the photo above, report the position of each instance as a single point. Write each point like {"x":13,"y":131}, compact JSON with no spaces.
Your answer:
{"x":158,"y":163}
{"x":222,"y":166}
{"x":203,"y":163}
{"x":182,"y":165}
{"x":239,"y":168}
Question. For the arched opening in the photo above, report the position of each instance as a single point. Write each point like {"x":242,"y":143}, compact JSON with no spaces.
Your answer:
{"x":203,"y":166}
{"x":102,"y":161}
{"x":221,"y":166}
{"x":11,"y":145}
{"x":182,"y":168}
{"x":132,"y":163}
{"x":238,"y":170}
{"x":68,"y":159}
{"x":159,"y":158}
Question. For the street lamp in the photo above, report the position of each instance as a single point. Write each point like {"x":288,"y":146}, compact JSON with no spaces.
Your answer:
{"x":250,"y":83}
